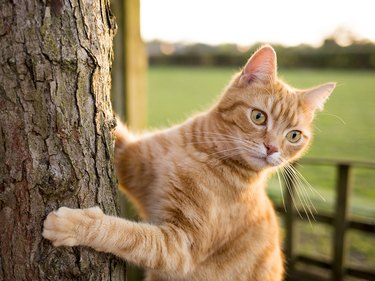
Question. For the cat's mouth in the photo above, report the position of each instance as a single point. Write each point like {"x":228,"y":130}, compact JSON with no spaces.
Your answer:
{"x":267,"y":160}
{"x":273,"y":161}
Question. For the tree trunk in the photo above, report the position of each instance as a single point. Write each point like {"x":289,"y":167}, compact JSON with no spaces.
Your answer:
{"x":56,"y":146}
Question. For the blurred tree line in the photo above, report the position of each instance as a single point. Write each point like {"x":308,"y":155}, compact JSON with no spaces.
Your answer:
{"x":341,"y":50}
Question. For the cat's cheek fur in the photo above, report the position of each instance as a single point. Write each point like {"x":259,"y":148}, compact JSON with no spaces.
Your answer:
{"x":296,"y":151}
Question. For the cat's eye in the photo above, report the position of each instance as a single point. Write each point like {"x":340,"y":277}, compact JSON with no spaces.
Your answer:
{"x":294,"y":136}
{"x":258,"y":117}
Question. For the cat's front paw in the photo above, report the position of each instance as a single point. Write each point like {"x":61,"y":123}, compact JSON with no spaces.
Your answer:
{"x":71,"y":227}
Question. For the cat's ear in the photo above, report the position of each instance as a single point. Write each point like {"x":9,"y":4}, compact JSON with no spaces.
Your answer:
{"x":261,"y":67}
{"x":315,"y":98}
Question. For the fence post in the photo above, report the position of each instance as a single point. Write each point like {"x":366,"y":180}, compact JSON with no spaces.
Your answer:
{"x":290,"y":227}
{"x":341,"y":222}
{"x":129,"y":84}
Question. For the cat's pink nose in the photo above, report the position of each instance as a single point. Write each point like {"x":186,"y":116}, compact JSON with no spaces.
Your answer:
{"x":271,"y":149}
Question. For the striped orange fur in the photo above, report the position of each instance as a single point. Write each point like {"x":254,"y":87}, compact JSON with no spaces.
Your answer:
{"x":200,"y":186}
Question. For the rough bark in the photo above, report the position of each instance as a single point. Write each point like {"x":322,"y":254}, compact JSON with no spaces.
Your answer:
{"x":56,"y":146}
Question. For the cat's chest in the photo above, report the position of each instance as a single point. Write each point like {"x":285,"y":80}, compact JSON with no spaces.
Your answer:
{"x":238,"y":214}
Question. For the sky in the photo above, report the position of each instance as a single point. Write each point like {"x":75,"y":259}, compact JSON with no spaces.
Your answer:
{"x":245,"y":22}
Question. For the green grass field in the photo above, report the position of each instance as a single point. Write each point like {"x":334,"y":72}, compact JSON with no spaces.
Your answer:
{"x":344,"y":130}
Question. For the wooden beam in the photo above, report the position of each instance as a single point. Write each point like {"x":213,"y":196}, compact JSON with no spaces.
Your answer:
{"x":341,"y":222}
{"x":135,"y":67}
{"x":118,"y":66}
{"x":129,"y":83}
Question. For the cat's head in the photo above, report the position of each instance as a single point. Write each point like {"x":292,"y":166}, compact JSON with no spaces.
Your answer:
{"x":270,"y":120}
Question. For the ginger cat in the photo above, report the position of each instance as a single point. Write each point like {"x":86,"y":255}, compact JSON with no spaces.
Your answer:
{"x":200,"y":186}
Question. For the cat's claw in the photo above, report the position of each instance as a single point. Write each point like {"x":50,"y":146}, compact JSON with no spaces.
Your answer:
{"x":68,"y":227}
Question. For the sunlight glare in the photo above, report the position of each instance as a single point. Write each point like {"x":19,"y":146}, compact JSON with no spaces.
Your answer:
{"x":289,"y":22}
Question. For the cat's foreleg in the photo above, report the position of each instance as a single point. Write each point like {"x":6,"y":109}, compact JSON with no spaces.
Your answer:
{"x":165,"y":248}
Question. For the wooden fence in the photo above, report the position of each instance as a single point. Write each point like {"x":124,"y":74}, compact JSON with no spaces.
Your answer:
{"x":341,"y":223}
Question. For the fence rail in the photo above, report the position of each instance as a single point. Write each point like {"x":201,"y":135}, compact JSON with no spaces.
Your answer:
{"x":339,"y":220}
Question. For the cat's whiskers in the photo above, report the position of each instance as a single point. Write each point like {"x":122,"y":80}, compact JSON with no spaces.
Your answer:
{"x":302,"y":187}
{"x":292,"y":177}
{"x":316,"y":128}
{"x":281,"y":189}
{"x":336,"y":116}
{"x":224,"y":138}
{"x":216,"y":161}
{"x":235,"y":152}
{"x":290,"y":191}
{"x":211,"y":141}
{"x":312,"y":189}
{"x":232,"y":153}
{"x":300,"y":191}
{"x":224,"y":151}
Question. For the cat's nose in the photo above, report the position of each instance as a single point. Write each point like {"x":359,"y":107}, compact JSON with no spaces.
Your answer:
{"x":271,"y":149}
